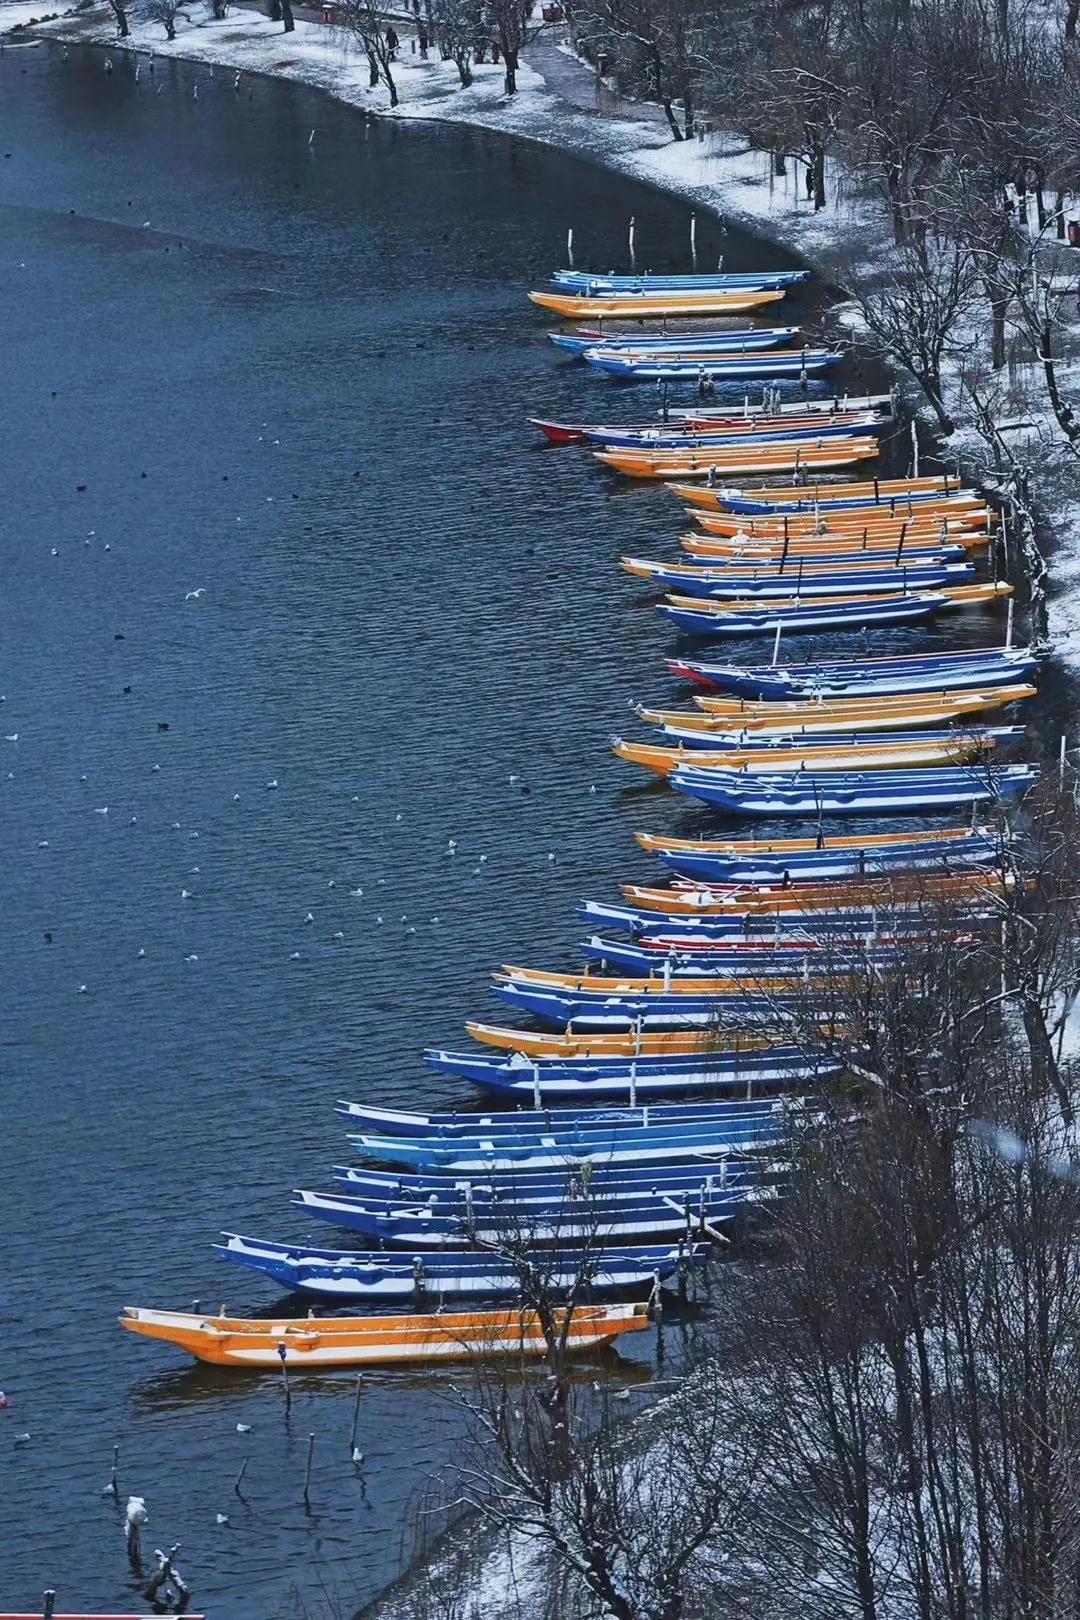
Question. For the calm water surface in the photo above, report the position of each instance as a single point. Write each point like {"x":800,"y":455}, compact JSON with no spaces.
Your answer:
{"x":292,"y":378}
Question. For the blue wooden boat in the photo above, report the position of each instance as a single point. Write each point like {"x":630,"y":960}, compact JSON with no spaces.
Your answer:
{"x":856,"y":952}
{"x":672,"y":439}
{"x":866,"y":677}
{"x":747,"y":338}
{"x":895,"y":495}
{"x":634,"y":1077}
{"x":527,"y":1121}
{"x":650,"y":1009}
{"x":841,"y":793}
{"x":823,"y":613}
{"x":842,"y":922}
{"x":766,"y":1123}
{"x":761,"y":743}
{"x":585,"y":282}
{"x":603,"y":1218}
{"x":412,"y":1187}
{"x":777,"y":363}
{"x":376,"y":1275}
{"x":719,"y":584}
{"x":974,"y":851}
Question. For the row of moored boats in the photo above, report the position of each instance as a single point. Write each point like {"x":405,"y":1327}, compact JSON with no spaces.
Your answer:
{"x":646,"y":1102}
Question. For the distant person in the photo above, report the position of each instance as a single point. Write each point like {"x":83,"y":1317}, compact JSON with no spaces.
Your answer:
{"x":392,"y":42}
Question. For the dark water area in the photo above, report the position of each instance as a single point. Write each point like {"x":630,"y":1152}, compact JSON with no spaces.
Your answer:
{"x":294,"y":379}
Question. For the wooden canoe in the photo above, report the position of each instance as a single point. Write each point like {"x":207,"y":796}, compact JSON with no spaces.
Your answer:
{"x":841,"y":545}
{"x":375,"y":1341}
{"x":873,"y":843}
{"x":961,"y":512}
{"x":637,"y":306}
{"x":859,"y":757}
{"x":632,"y":985}
{"x":957,"y":596}
{"x":732,"y":459}
{"x":883,"y":493}
{"x":875,"y":894}
{"x":730,"y":718}
{"x":631,"y":1043}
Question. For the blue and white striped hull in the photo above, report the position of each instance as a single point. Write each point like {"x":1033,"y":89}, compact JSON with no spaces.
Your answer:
{"x":840,"y":793}
{"x":637,"y":1077}
{"x":381,"y":1277}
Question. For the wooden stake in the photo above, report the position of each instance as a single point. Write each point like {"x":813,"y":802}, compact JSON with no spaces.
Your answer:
{"x":50,"y":1605}
{"x":632,"y":234}
{"x":570,"y":247}
{"x":281,"y":1350}
{"x":776,"y":646}
{"x":307,"y":1470}
{"x":1009,"y":625}
{"x":1061,"y":765}
{"x":693,"y":240}
{"x":355,"y":1414}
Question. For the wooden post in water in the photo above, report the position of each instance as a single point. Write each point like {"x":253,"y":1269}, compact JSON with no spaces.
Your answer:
{"x":355,"y":1415}
{"x":776,"y":646}
{"x":632,"y":234}
{"x":307,"y":1468}
{"x":49,"y":1605}
{"x":1009,"y":624}
{"x":570,"y":248}
{"x":1061,"y":765}
{"x":282,"y":1352}
{"x":693,"y":240}
{"x":914,"y":449}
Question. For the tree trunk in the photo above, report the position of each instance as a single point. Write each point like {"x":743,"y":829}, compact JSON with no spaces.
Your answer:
{"x":287,"y":16}
{"x":510,"y":64}
{"x":388,"y":76}
{"x":121,"y":21}
{"x":464,"y":71}
{"x":1072,"y":16}
{"x":170,"y":28}
{"x":998,"y":306}
{"x":1059,"y":205}
{"x":373,"y":70}
{"x":779,"y":158}
{"x":688,"y":112}
{"x":673,"y":122}
{"x":273,"y":10}
{"x":819,"y":178}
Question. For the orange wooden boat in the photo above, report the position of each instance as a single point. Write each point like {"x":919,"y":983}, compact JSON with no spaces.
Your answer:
{"x":734,"y":460}
{"x":639,"y":306}
{"x":730,"y":717}
{"x":691,"y":900}
{"x":631,"y":1043}
{"x":375,"y":1341}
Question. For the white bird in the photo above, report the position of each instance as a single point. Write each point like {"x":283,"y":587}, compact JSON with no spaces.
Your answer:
{"x":185,"y":894}
{"x":451,"y":848}
{"x":272,"y":784}
{"x":191,"y":958}
{"x":622,"y":1395}
{"x":221,"y":1518}
{"x":22,"y":1439}
{"x":82,"y":989}
{"x":12,"y":737}
{"x":357,"y":1457}
{"x":551,"y":856}
{"x":136,"y":1513}
{"x":295,"y":957}
{"x":356,"y":893}
{"x":399,"y":816}
{"x":243,"y":1428}
{"x":592,"y":787}
{"x":101,"y":810}
{"x":339,"y":935}
{"x":236,"y":82}
{"x":310,"y":918}
{"x":378,"y":919}
{"x":133,"y":822}
{"x":140,"y":952}
{"x":55,"y":551}
{"x":43,"y":843}
{"x":193,"y":596}
{"x":513,"y":779}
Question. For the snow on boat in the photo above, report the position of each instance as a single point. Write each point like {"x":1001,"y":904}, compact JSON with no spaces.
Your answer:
{"x":715,"y":365}
{"x":854,"y":792}
{"x":887,"y":493}
{"x":745,"y":720}
{"x":872,"y":751}
{"x":746,"y":338}
{"x":635,"y":1077}
{"x":744,"y":617}
{"x":702,"y":440}
{"x":818,"y":579}
{"x":638,"y":1007}
{"x":592,"y":281}
{"x":374,"y":1341}
{"x":743,"y":860}
{"x":382,"y":1277}
{"x":867,"y":677}
{"x":518,"y":1121}
{"x":640,"y":1213}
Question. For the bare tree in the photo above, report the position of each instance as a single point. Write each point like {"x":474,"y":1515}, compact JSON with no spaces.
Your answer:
{"x":510,"y":21}
{"x":119,"y":10}
{"x":164,"y":12}
{"x":370,"y":25}
{"x":457,"y":26}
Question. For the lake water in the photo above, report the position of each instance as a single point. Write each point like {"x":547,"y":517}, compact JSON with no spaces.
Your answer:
{"x":292,"y":378}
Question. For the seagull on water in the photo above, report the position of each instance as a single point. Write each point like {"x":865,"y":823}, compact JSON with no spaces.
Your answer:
{"x":193,"y":596}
